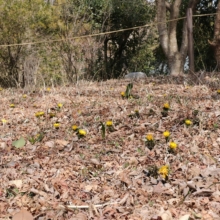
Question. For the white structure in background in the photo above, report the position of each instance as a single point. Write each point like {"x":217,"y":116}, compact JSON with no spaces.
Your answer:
{"x":135,"y":75}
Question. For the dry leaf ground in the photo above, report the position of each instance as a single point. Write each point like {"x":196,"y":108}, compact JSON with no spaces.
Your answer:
{"x":58,"y":175}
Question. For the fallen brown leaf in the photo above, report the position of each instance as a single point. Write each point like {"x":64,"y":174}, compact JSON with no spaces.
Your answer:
{"x":23,"y":215}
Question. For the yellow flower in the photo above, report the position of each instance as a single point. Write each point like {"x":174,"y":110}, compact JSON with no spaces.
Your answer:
{"x":37,"y":136}
{"x":218,"y":91}
{"x":60,"y":105}
{"x":164,"y":171}
{"x":52,"y":114}
{"x":24,"y":96}
{"x":74,"y":127}
{"x":150,"y":141}
{"x":4,"y":121}
{"x":12,"y":105}
{"x":38,"y":114}
{"x":56,"y":125}
{"x":149,"y":137}
{"x":109,"y":123}
{"x":166,"y":106}
{"x":82,"y":132}
{"x":173,"y":145}
{"x":1,"y":88}
{"x":188,"y":122}
{"x":166,"y":134}
{"x":48,"y":89}
{"x":123,"y":94}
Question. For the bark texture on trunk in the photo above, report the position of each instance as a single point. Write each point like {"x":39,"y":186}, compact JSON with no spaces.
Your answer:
{"x":216,"y":42}
{"x":168,"y":33}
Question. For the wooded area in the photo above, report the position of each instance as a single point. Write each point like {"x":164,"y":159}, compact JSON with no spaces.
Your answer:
{"x":41,"y":44}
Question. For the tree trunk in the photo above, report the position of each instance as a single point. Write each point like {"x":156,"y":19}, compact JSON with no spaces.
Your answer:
{"x":216,"y":42}
{"x":168,"y":34}
{"x":106,"y":66}
{"x":176,"y":64}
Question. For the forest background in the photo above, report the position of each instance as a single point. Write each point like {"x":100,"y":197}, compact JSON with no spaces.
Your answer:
{"x":41,"y":41}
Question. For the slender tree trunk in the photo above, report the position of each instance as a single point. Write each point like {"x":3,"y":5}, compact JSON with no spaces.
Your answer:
{"x":216,"y":42}
{"x":106,"y":66}
{"x":168,"y":34}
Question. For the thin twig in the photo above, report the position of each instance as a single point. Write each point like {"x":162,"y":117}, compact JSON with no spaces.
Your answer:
{"x":87,"y":206}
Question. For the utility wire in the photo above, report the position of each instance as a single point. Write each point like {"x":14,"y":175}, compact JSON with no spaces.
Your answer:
{"x":103,"y":33}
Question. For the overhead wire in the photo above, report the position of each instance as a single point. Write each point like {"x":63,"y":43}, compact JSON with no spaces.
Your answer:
{"x":100,"y":34}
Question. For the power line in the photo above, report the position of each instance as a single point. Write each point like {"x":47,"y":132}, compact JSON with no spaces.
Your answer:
{"x":101,"y":34}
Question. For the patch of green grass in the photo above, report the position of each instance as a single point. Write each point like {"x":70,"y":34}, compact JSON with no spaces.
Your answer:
{"x":140,"y":151}
{"x":117,"y":144}
{"x":151,"y":203}
{"x":85,"y":123}
{"x":88,"y":146}
{"x":97,"y":118}
{"x":216,"y":126}
{"x":12,"y":192}
{"x":149,"y":97}
{"x":126,"y":164}
{"x":82,"y":155}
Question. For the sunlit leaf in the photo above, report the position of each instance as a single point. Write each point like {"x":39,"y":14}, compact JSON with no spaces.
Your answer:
{"x":19,"y":143}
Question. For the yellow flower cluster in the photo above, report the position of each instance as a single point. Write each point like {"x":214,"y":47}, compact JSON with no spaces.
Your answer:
{"x":188,"y":122}
{"x":4,"y":121}
{"x":123,"y":94}
{"x":82,"y":132}
{"x":12,"y":105}
{"x":38,"y":114}
{"x":164,"y":171}
{"x":149,"y":137}
{"x":75,"y":127}
{"x":150,"y":141}
{"x":60,"y":105}
{"x":173,"y":145}
{"x":109,"y":123}
{"x":166,"y":106}
{"x":56,"y":125}
{"x":166,"y":134}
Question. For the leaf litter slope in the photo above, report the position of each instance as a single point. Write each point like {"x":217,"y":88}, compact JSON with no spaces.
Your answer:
{"x":58,"y":174}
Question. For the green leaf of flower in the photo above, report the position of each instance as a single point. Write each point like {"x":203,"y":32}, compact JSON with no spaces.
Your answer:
{"x":103,"y":130}
{"x":128,"y":90}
